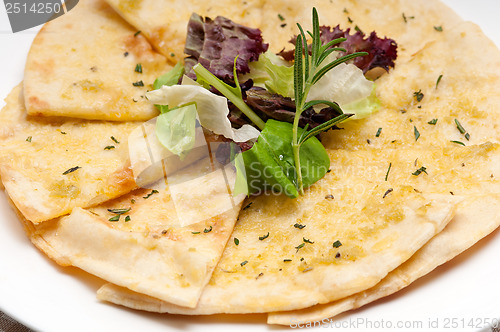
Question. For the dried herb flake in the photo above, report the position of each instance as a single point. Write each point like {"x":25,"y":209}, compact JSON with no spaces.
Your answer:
{"x":71,"y":170}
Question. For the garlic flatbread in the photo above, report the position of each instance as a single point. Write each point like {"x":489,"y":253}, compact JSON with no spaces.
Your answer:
{"x":438,"y":98}
{"x":410,"y":22}
{"x":139,"y":241}
{"x":164,"y":23}
{"x":50,"y":166}
{"x":89,"y":63}
{"x":476,"y":217}
{"x":293,"y":253}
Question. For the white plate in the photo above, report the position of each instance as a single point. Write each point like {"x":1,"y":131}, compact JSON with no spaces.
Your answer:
{"x":47,"y":297}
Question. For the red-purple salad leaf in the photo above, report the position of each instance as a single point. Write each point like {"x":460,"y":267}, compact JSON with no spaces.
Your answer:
{"x":216,"y":43}
{"x":381,"y":52}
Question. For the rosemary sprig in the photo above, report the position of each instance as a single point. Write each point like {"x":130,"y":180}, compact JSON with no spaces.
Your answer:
{"x":309,"y":69}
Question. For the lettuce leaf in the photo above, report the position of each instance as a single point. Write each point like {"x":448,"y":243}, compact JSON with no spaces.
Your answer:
{"x":212,"y":109}
{"x":364,"y":107}
{"x":382,"y":52}
{"x":176,"y":129}
{"x":216,"y":43}
{"x":343,"y":84}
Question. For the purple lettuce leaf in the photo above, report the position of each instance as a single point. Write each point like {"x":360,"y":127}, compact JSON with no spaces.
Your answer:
{"x":216,"y":43}
{"x":274,"y":106}
{"x":381,"y":52}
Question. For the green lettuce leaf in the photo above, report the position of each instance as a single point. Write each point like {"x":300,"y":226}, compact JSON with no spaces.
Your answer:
{"x":176,"y":129}
{"x":269,"y":164}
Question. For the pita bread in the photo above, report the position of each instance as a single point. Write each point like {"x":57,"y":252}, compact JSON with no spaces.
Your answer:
{"x":476,"y":217}
{"x":411,"y":35}
{"x":450,"y":172}
{"x":165,"y":23}
{"x":36,"y":152}
{"x":83,"y":65}
{"x":256,"y":276}
{"x":148,"y":249}
{"x":468,"y":92}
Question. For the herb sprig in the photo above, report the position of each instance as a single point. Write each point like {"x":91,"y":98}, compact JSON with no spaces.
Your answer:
{"x":308,"y":70}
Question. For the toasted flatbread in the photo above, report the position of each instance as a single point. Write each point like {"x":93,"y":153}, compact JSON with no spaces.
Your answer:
{"x":476,"y":217}
{"x":468,"y":92}
{"x":139,"y":240}
{"x":165,"y":23}
{"x":368,"y":15}
{"x":50,"y":166}
{"x":356,"y":177}
{"x":84,"y":64}
{"x":272,"y":263}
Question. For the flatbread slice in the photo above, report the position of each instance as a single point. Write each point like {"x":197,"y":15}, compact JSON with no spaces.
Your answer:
{"x":272,"y":263}
{"x":139,"y":241}
{"x":369,"y":15}
{"x":91,"y":64}
{"x":50,"y":166}
{"x":355,"y":177}
{"x":426,"y":98}
{"x":165,"y":23}
{"x":476,"y":217}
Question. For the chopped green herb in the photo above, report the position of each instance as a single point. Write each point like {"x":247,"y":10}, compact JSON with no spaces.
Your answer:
{"x":438,"y":80}
{"x":406,"y":18}
{"x":349,"y":19}
{"x":249,"y":204}
{"x":264,"y":236}
{"x":195,"y":232}
{"x":115,"y":218}
{"x":299,"y":226}
{"x":379,"y":131}
{"x":132,"y":201}
{"x":287,"y":260}
{"x":119,"y":211}
{"x":63,"y":132}
{"x":459,"y":127}
{"x":420,"y":171}
{"x":438,"y":28}
{"x":418,"y":95}
{"x":137,"y":33}
{"x":467,"y":136}
{"x":433,"y":122}
{"x":172,"y":54}
{"x":154,"y":191}
{"x":236,"y":241}
{"x":29,"y":139}
{"x":346,"y":11}
{"x":71,"y":170}
{"x":138,"y":83}
{"x":207,"y":230}
{"x":138,"y":68}
{"x":357,"y":28}
{"x":127,"y":218}
{"x":458,"y":142}
{"x":283,"y":25}
{"x":281,"y":17}
{"x":337,"y":244}
{"x":416,"y":132}
{"x":307,"y":240}
{"x":388,"y":191}
{"x":114,"y":140}
{"x":243,"y":263}
{"x":388,"y":170}
{"x":109,"y":147}
{"x":300,"y":246}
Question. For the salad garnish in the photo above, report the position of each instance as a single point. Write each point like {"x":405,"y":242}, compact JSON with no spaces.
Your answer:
{"x":280,"y":107}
